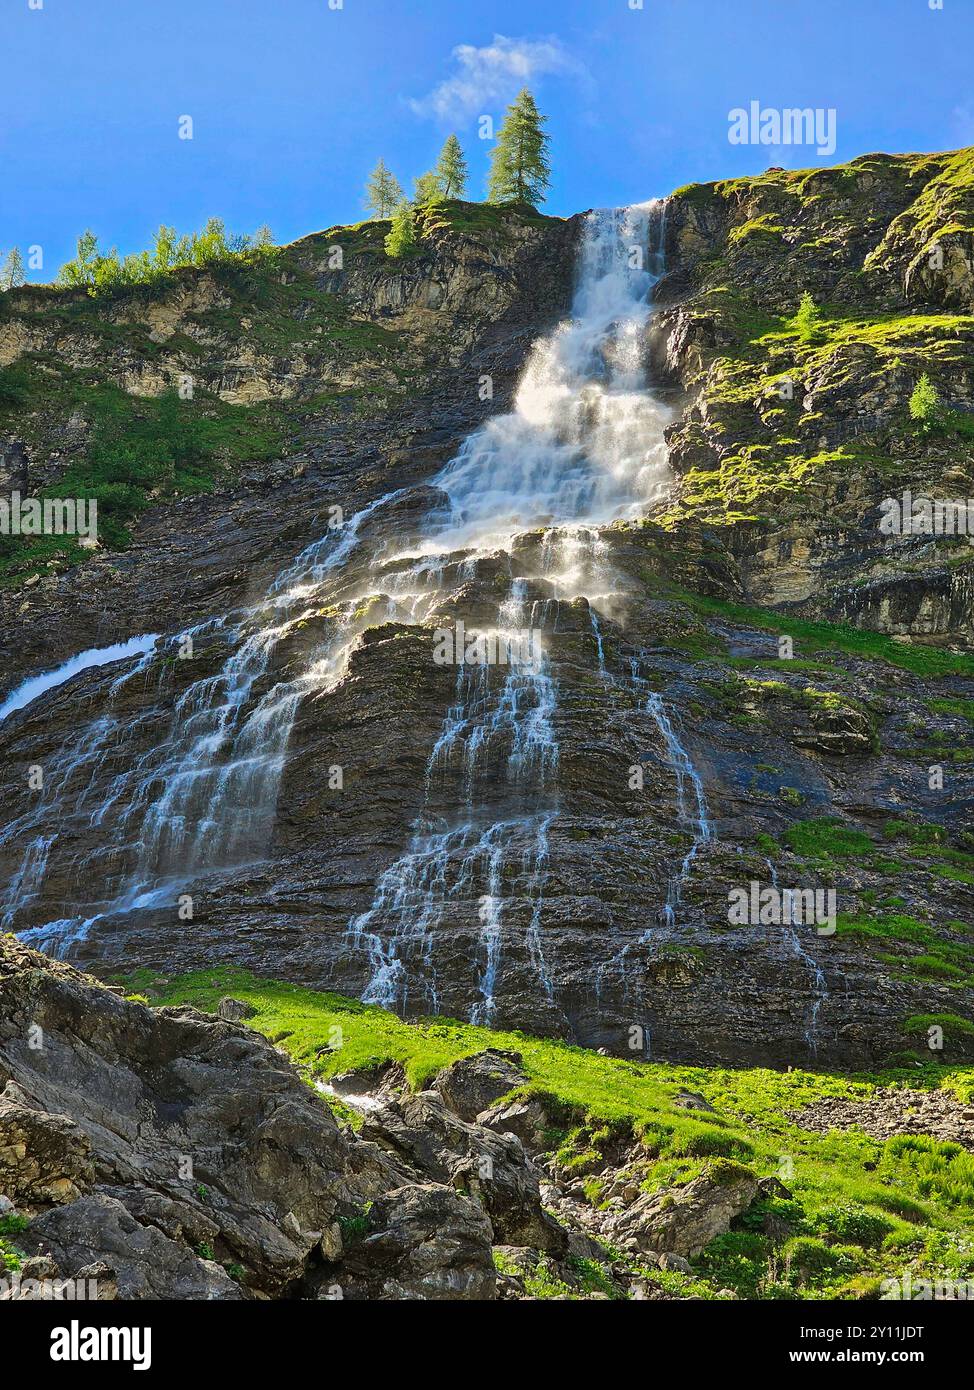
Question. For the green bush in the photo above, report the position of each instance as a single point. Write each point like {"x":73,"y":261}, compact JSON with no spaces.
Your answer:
{"x":736,"y":1261}
{"x":849,"y":1224}
{"x":808,"y":318}
{"x":810,"y":1261}
{"x":925,"y":404}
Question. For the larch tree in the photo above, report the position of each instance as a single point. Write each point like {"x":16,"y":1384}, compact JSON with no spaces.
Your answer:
{"x":520,"y":172}
{"x":383,"y":193}
{"x":451,"y":169}
{"x":12,"y":273}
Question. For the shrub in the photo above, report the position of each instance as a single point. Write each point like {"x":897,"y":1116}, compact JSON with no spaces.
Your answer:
{"x":849,"y":1224}
{"x":810,"y":1261}
{"x":808,"y":318}
{"x":925,"y":404}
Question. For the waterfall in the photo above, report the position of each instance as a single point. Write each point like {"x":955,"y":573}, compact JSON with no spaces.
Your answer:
{"x":582,"y":447}
{"x":819,"y":984}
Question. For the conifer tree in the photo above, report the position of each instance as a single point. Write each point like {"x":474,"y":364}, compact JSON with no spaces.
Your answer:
{"x":808,"y":318}
{"x":520,"y":172}
{"x":402,"y":235}
{"x":451,"y":169}
{"x":383,"y":193}
{"x":12,"y":274}
{"x":428,"y":189}
{"x":925,"y":403}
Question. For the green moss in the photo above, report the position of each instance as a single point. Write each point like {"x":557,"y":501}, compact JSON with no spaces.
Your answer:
{"x":950,"y":1023}
{"x":827,"y":838}
{"x":815,"y":637}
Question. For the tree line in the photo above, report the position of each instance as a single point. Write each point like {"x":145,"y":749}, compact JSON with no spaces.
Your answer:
{"x":520,"y":172}
{"x":94,"y":270}
{"x":98,"y":271}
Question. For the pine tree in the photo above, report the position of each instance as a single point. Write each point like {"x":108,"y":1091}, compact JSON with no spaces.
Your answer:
{"x":925,"y":403}
{"x":12,"y":274}
{"x":427,"y":189}
{"x":520,"y":172}
{"x":383,"y":193}
{"x":402,"y":236}
{"x":808,"y":318}
{"x":451,"y":169}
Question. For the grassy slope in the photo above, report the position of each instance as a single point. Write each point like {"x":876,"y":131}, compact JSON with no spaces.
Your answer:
{"x":911,"y":1201}
{"x":792,"y":230}
{"x":141,"y":450}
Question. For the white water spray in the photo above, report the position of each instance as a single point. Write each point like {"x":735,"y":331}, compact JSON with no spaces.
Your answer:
{"x":583,"y":447}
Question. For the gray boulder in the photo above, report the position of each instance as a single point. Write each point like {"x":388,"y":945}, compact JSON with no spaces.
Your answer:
{"x":471,"y":1084}
{"x":418,"y":1130}
{"x":424,"y":1241}
{"x":682,"y":1221}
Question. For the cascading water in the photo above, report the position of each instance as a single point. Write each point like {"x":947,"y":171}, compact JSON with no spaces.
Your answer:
{"x":583,"y":447}
{"x":820,"y":989}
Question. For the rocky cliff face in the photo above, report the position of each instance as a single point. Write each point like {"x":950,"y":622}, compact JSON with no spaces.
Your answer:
{"x":794,"y":440}
{"x":312,"y":388}
{"x":814,"y":769}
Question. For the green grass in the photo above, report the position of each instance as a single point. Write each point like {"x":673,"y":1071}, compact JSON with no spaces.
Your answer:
{"x":141,"y":450}
{"x":823,"y":637}
{"x":943,"y":954}
{"x":10,"y":1227}
{"x":963,"y":709}
{"x":827,"y":838}
{"x":871,"y":1224}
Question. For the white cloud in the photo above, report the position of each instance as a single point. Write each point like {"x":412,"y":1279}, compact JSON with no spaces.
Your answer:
{"x":494,"y":74}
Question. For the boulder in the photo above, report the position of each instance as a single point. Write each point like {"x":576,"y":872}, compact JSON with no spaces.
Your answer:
{"x":527,"y":1119}
{"x":420,"y":1131}
{"x":234,"y":1010}
{"x":471,"y":1084}
{"x":146,"y":1263}
{"x":180,"y":1132}
{"x":44,"y":1158}
{"x":682,"y":1221}
{"x":425,"y":1241}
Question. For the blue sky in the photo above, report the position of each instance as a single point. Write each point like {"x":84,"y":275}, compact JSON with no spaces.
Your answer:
{"x":293,"y":101}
